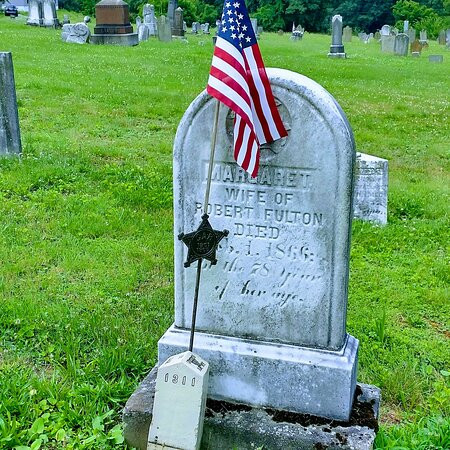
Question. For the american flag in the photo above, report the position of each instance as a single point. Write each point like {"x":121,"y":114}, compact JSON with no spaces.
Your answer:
{"x":238,"y":79}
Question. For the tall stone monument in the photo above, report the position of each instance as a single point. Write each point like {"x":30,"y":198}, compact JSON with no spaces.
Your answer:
{"x":150,"y":19}
{"x":113,"y":24}
{"x":171,"y":8}
{"x":337,"y":47}
{"x":10,"y":142}
{"x":177,"y":29}
{"x":35,"y":13}
{"x":50,"y":18}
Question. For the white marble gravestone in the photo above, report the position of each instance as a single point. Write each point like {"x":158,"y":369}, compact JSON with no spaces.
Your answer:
{"x":180,"y":400}
{"x":50,"y":18}
{"x":272,"y":313}
{"x":35,"y":13}
{"x":10,"y":142}
{"x":371,"y":189}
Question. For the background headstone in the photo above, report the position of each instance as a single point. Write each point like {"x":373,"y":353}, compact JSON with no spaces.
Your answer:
{"x":387,"y":43}
{"x":347,"y":34}
{"x":411,"y":34}
{"x":279,"y":291}
{"x":195,"y":27}
{"x":416,"y":47}
{"x":336,"y":48}
{"x":164,"y":29}
{"x":50,"y":18}
{"x":436,"y":58}
{"x":205,"y":28}
{"x":371,"y":189}
{"x":447,"y":37}
{"x":138,"y":22}
{"x":143,"y":32}
{"x":441,"y":38}
{"x":150,"y":19}
{"x":385,"y":30}
{"x":35,"y":13}
{"x":377,"y":36}
{"x":255,"y":25}
{"x":401,"y":44}
{"x":171,"y":8}
{"x":66,"y":19}
{"x":423,"y":37}
{"x":10,"y":142}
{"x":405,"y":26}
{"x":178,"y":29}
{"x":394,"y":31}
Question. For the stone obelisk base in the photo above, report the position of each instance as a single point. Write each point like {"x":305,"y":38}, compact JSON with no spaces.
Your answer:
{"x":129,"y":39}
{"x":229,"y":425}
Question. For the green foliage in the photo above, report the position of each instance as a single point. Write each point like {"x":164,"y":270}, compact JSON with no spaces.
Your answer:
{"x":86,"y":248}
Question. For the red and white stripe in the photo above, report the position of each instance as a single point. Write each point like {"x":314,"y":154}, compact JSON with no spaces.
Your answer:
{"x":239,"y":80}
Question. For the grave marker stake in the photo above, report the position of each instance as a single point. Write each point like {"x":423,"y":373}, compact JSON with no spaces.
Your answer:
{"x":203,"y":243}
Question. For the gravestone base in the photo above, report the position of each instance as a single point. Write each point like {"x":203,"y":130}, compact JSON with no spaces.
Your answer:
{"x":337,"y":55}
{"x":129,"y":39}
{"x":273,"y":375}
{"x":229,"y":425}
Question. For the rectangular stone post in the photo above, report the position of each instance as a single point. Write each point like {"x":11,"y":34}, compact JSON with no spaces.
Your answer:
{"x":9,"y":119}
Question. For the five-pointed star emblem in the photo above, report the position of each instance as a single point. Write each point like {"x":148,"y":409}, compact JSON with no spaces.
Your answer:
{"x":203,"y":243}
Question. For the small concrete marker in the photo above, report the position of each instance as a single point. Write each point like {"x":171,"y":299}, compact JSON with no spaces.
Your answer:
{"x":180,"y":400}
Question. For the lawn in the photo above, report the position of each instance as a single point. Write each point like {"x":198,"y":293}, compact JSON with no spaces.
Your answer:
{"x":86,"y":246}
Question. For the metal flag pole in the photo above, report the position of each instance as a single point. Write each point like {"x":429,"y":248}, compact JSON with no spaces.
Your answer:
{"x":202,"y":244}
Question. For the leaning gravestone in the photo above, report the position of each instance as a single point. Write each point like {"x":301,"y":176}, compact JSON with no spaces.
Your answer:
{"x":78,"y":33}
{"x":10,"y":142}
{"x":164,"y":29}
{"x":35,"y":13}
{"x":279,"y":292}
{"x":347,"y":34}
{"x":50,"y":18}
{"x":371,"y":189}
{"x":387,"y":43}
{"x":401,"y":44}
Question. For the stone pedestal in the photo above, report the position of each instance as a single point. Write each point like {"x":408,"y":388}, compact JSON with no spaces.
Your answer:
{"x":113,"y":24}
{"x":242,"y":427}
{"x":10,"y":142}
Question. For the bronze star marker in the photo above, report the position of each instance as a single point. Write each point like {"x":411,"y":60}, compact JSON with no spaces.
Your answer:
{"x":203,"y":243}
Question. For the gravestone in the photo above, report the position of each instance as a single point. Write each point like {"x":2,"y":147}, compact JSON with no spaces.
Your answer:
{"x":180,"y":400}
{"x":177,"y":29}
{"x":363,"y":37}
{"x":78,"y":33}
{"x":280,"y":32}
{"x":87,"y":19}
{"x":271,"y":319}
{"x":205,"y":28}
{"x":113,"y":25}
{"x":441,"y":38}
{"x":436,"y":58}
{"x":255,"y":26}
{"x":195,"y":27}
{"x":401,"y":44}
{"x":35,"y":13}
{"x":377,"y":36}
{"x":416,"y":47}
{"x":50,"y":18}
{"x":337,"y":47}
{"x":171,"y":8}
{"x":423,"y":37}
{"x":371,"y":189}
{"x":10,"y":142}
{"x":411,"y":34}
{"x":447,"y":37}
{"x":66,"y":19}
{"x":260,"y":30}
{"x":150,"y":19}
{"x":405,"y":26}
{"x":347,"y":34}
{"x":387,"y":44}
{"x":138,"y":22}
{"x":385,"y":30}
{"x":164,"y":29}
{"x":143,"y":32}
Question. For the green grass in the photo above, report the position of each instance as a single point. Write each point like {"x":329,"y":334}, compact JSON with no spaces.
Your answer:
{"x":86,"y":246}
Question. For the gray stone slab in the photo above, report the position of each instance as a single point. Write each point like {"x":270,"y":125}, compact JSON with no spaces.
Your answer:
{"x":387,"y":43}
{"x":242,"y":427}
{"x":436,"y":58}
{"x":401,"y":45}
{"x":78,"y":33}
{"x":347,"y":34}
{"x":127,"y":40}
{"x":371,"y":189}
{"x":10,"y":142}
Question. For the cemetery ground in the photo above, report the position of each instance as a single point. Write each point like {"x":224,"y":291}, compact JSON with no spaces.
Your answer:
{"x":86,"y":245}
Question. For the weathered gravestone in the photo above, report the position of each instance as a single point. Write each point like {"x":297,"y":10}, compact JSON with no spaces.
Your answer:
{"x":436,"y":58}
{"x":385,"y":30}
{"x":405,"y":26}
{"x":441,"y":38}
{"x":138,"y":22}
{"x":78,"y":33}
{"x":423,"y":37}
{"x":150,"y":19}
{"x":411,"y":34}
{"x":10,"y":143}
{"x":50,"y":18}
{"x":401,"y":44}
{"x":347,"y":34}
{"x":195,"y":27}
{"x":447,"y":37}
{"x":337,"y":47}
{"x":387,"y":43}
{"x":164,"y":29}
{"x":35,"y":13}
{"x":143,"y":32}
{"x":371,"y":189}
{"x":177,"y":29}
{"x":279,"y":292}
{"x":377,"y":36}
{"x":66,"y":19}
{"x":272,"y":314}
{"x":255,"y":26}
{"x":171,"y":8}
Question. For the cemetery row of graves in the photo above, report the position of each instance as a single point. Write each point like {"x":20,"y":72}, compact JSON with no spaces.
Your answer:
{"x":87,"y":274}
